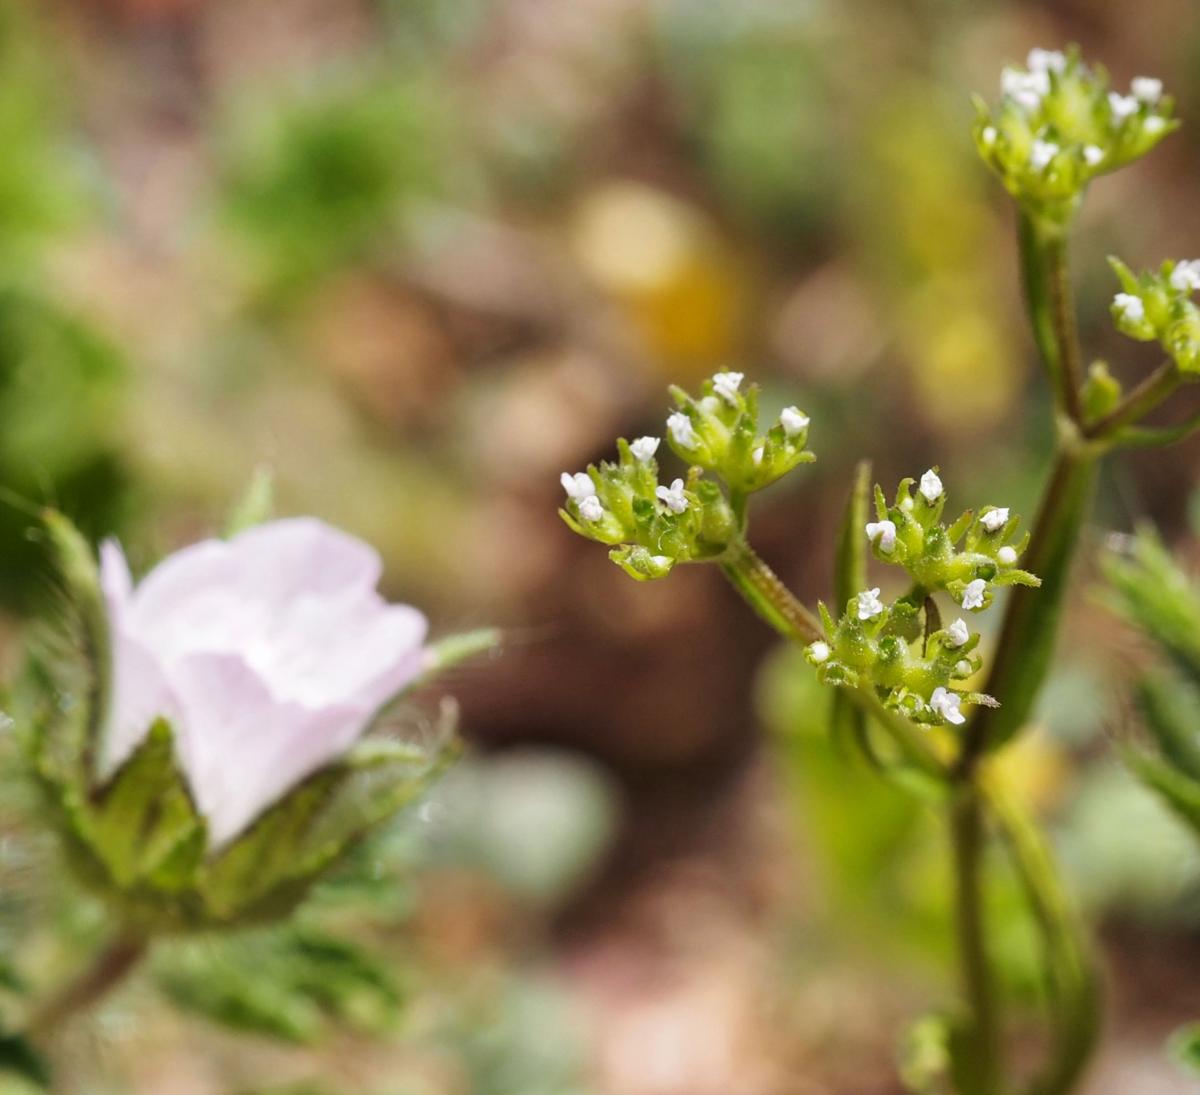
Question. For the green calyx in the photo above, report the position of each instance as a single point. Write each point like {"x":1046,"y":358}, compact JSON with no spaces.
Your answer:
{"x":1059,"y":124}
{"x":1157,"y":306}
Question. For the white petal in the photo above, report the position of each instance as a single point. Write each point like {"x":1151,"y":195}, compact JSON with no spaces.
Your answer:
{"x":931,"y":486}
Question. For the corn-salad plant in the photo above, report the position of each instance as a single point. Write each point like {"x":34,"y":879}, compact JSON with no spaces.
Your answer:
{"x":926,"y":706}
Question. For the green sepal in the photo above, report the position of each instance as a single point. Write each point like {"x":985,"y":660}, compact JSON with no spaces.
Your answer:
{"x":144,"y":825}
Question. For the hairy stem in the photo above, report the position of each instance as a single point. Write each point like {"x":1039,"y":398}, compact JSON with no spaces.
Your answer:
{"x":768,"y":596}
{"x":1047,"y":283}
{"x":107,"y":970}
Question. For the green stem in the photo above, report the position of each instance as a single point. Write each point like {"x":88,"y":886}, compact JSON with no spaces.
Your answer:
{"x":967,"y":835}
{"x":1140,"y":401}
{"x":1031,"y":618}
{"x":768,"y":596}
{"x":1072,"y":981}
{"x":109,"y":968}
{"x":1047,"y":283}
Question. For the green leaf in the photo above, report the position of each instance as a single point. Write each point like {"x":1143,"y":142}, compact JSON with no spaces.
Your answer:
{"x":1031,"y":619}
{"x":1171,"y":710}
{"x":1180,"y":792}
{"x":292,"y":983}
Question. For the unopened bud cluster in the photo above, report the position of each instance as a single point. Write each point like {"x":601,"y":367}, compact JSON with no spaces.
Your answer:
{"x":652,"y":526}
{"x":1158,"y":307}
{"x":1059,"y":124}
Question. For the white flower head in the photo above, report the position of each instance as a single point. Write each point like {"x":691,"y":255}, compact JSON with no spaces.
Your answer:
{"x":995,"y":519}
{"x":869,"y":604}
{"x":886,"y":531}
{"x":268,"y":654}
{"x":1046,"y":60}
{"x":947,"y":705}
{"x":672,"y":497}
{"x":1042,"y":153}
{"x":1123,"y":106}
{"x":726,"y":386}
{"x":1186,"y":276}
{"x":1007,"y":555}
{"x":1147,"y":89}
{"x":958,"y":632}
{"x":644,"y":448}
{"x":962,"y":668}
{"x":819,"y":651}
{"x":1154,"y":124}
{"x":1093,"y":155}
{"x":578,"y":486}
{"x":793,"y":420}
{"x":973,"y":594}
{"x":590,"y":508}
{"x":1130,"y":307}
{"x":682,"y":430}
{"x":931,"y":486}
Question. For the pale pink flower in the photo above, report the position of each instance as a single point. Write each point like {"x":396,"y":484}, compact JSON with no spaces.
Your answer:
{"x":268,"y":654}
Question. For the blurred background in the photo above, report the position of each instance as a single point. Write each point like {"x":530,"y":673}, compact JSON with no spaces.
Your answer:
{"x":419,"y":257}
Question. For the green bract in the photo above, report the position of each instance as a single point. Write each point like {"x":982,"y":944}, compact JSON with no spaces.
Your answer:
{"x":137,"y":838}
{"x":1158,"y":307}
{"x":1058,"y":125}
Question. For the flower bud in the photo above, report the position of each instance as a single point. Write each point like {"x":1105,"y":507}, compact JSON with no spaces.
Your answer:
{"x":1158,"y":307}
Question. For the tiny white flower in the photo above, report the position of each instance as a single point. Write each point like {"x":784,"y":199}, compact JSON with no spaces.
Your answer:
{"x":1148,"y":89}
{"x":1046,"y":60}
{"x":819,"y":651}
{"x":1130,"y":307}
{"x":644,"y":448}
{"x":1025,"y":88}
{"x":1154,"y":124}
{"x":578,"y":486}
{"x":886,"y":531}
{"x":726,"y":386}
{"x":757,"y":455}
{"x":590,"y":508}
{"x":869,"y":604}
{"x":947,"y":705}
{"x":989,"y":136}
{"x":1007,"y":555}
{"x":958,"y":632}
{"x":973,"y":594}
{"x":681,"y":429}
{"x":994,"y":519}
{"x":1041,"y":154}
{"x":793,"y":420}
{"x":1093,"y":154}
{"x":931,"y":486}
{"x":962,"y":668}
{"x":1186,"y":276}
{"x":661,"y":561}
{"x":710,"y":404}
{"x":1123,"y":106}
{"x":673,"y":497}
